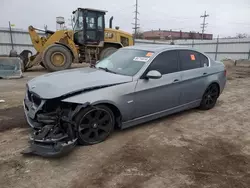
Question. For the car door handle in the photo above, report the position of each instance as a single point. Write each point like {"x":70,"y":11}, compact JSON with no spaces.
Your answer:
{"x":176,"y":80}
{"x":204,"y":73}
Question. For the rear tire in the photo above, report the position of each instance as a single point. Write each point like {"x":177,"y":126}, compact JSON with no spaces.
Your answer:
{"x":107,"y":52}
{"x":57,"y":57}
{"x":94,"y":124}
{"x":210,"y":97}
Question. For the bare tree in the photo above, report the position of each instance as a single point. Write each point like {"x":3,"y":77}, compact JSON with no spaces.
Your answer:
{"x":238,"y":36}
{"x":192,"y":35}
{"x":242,"y":35}
{"x":139,"y":34}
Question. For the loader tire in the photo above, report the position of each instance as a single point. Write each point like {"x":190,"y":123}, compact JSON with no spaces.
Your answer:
{"x":25,"y":57}
{"x":107,"y":52}
{"x":57,"y":57}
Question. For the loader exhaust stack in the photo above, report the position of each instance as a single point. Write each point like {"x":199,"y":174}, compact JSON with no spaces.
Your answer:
{"x":111,"y":22}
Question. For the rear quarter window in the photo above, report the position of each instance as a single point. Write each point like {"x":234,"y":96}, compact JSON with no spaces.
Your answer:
{"x":204,"y":60}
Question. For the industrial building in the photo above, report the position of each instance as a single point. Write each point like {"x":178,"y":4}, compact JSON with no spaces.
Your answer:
{"x":167,"y":35}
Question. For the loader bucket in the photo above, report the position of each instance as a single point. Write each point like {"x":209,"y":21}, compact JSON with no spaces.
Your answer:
{"x":10,"y":67}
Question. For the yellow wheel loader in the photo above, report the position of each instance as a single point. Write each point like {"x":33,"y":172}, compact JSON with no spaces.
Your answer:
{"x":89,"y":41}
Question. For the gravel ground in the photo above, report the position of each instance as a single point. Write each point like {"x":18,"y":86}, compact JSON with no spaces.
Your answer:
{"x":196,"y":149}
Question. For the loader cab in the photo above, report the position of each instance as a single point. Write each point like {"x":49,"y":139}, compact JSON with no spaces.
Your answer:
{"x":89,"y":25}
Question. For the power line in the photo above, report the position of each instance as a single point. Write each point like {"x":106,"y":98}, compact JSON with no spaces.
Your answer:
{"x":136,"y":25}
{"x":204,"y":24}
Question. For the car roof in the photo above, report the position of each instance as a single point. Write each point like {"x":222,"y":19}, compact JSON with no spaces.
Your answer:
{"x":156,"y":48}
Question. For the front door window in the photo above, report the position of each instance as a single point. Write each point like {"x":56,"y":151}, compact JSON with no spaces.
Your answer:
{"x":163,"y":93}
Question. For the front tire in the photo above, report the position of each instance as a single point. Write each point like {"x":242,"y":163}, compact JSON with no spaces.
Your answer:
{"x":210,"y":97}
{"x":94,"y":124}
{"x":57,"y":57}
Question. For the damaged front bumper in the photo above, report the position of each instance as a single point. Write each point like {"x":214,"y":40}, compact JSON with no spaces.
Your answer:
{"x":48,"y":138}
{"x":57,"y":149}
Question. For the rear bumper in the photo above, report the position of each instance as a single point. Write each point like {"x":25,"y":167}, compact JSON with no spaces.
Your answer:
{"x":223,"y":84}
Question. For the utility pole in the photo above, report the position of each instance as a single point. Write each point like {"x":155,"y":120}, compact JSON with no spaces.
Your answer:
{"x":136,"y":25}
{"x":204,"y":24}
{"x":71,"y":24}
{"x":11,"y":38}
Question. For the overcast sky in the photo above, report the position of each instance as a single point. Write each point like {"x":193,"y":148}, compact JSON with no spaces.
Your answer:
{"x":226,"y":17}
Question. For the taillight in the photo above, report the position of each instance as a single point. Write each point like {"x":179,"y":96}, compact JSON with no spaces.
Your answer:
{"x":225,"y":72}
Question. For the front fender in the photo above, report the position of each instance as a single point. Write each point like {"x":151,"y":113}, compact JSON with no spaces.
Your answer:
{"x":119,"y":96}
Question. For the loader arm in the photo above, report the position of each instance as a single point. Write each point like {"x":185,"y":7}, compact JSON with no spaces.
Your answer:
{"x":37,"y":41}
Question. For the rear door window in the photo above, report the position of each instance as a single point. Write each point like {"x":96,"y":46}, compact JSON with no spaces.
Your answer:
{"x":166,"y":62}
{"x":189,"y":60}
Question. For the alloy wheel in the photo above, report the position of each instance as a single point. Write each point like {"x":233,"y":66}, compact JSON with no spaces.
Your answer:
{"x":95,"y":126}
{"x":210,"y":97}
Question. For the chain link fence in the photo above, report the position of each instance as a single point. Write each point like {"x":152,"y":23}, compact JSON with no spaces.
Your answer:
{"x":218,"y":49}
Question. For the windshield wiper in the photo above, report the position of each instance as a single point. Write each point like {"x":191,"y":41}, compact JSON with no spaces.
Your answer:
{"x":107,"y":70}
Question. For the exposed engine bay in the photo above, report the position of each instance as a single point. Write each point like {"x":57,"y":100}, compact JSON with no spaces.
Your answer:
{"x":53,"y":126}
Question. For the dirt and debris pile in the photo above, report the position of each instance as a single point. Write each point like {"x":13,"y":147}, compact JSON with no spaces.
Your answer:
{"x":237,"y":69}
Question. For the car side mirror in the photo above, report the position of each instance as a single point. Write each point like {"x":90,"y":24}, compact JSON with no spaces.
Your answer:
{"x":153,"y":74}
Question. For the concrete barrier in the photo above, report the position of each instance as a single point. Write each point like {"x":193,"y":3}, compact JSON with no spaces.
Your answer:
{"x":10,"y":67}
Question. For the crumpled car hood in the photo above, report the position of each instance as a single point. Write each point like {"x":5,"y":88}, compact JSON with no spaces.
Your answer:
{"x":61,"y":83}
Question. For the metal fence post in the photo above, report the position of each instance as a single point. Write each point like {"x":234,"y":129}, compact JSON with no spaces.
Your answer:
{"x":217,"y":46}
{"x":11,"y":39}
{"x":193,"y":43}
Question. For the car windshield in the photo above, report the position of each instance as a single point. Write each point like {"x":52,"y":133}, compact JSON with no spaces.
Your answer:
{"x":125,"y":61}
